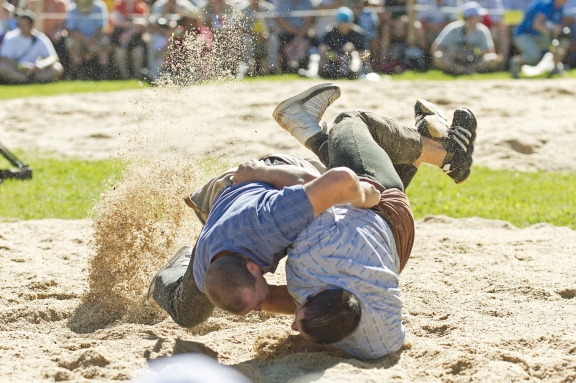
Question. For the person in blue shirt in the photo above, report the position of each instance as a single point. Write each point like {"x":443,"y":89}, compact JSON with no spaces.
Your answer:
{"x":533,"y":37}
{"x":87,"y":38}
{"x":250,"y":225}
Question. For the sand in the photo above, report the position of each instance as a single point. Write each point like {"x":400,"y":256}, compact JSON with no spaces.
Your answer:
{"x":484,"y":300}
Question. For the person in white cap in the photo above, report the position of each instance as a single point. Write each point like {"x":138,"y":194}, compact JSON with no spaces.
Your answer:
{"x":466,"y":46}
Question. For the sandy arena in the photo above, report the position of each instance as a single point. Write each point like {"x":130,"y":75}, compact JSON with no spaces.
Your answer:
{"x":484,"y":300}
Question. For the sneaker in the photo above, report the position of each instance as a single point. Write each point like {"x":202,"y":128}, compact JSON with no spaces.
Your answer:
{"x":459,"y":145}
{"x":431,"y":121}
{"x":182,"y":258}
{"x":457,"y":165}
{"x":300,"y":115}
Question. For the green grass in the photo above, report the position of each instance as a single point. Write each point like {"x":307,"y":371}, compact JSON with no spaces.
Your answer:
{"x":16,"y":91}
{"x":518,"y":197}
{"x":68,"y":189}
{"x":60,"y":188}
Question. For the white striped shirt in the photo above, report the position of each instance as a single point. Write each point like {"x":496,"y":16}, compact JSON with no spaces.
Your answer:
{"x":352,"y":249}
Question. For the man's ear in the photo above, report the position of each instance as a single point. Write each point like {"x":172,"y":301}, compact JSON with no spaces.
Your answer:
{"x":253,"y":267}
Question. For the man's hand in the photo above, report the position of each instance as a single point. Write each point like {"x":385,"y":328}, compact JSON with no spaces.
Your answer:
{"x":248,"y":172}
{"x":369,"y":196}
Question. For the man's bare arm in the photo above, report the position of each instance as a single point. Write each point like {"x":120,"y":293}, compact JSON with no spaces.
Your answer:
{"x":336,"y":186}
{"x":279,"y":176}
{"x":340,"y":186}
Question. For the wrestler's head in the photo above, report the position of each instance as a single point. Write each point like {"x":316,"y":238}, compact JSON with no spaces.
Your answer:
{"x":236,"y":284}
{"x":327,"y":316}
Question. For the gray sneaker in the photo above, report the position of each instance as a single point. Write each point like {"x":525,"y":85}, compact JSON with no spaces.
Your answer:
{"x":182,"y":258}
{"x":431,"y":121}
{"x":300,"y":115}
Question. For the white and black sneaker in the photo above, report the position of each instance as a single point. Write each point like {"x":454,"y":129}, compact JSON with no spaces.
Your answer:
{"x":300,"y":115}
{"x":459,"y":145}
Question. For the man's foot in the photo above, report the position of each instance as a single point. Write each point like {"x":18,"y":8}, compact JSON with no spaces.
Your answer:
{"x":181,"y":259}
{"x":300,"y":115}
{"x":431,"y":121}
{"x":459,"y":145}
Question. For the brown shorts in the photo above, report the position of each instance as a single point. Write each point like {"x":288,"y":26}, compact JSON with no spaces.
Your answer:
{"x":395,"y":209}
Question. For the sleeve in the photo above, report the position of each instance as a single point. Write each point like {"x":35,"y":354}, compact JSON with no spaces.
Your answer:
{"x":47,"y":47}
{"x":70,"y":22}
{"x":487,"y":42}
{"x":104,"y":13}
{"x":7,"y":49}
{"x":445,"y":37}
{"x":291,"y":211}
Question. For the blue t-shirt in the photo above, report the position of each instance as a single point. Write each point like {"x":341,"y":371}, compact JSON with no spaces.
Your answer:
{"x":545,"y":7}
{"x":88,"y":24}
{"x":254,"y":220}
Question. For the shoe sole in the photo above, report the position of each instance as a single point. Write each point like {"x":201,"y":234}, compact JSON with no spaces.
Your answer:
{"x":432,"y":114}
{"x":306,"y":95}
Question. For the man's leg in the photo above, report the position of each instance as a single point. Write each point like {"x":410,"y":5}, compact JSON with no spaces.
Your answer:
{"x":175,"y":291}
{"x":351,"y":145}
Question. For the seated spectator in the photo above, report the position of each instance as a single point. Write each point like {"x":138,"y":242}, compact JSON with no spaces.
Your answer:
{"x":432,"y":18}
{"x":7,"y":20}
{"x":570,"y":20}
{"x":87,"y":38}
{"x":342,"y":48}
{"x":130,"y":20}
{"x":260,"y":38}
{"x":393,"y":31}
{"x":54,"y":25}
{"x":494,"y":20}
{"x":27,"y":55}
{"x":167,"y":19}
{"x":218,"y":14}
{"x":542,"y":24}
{"x":466,"y":46}
{"x":294,"y":31}
{"x":322,"y":24}
{"x":367,"y":19}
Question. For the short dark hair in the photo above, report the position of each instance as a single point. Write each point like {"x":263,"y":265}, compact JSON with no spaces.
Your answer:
{"x":330,"y":316}
{"x":224,"y":280}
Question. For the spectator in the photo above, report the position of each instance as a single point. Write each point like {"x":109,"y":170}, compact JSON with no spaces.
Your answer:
{"x":432,"y":18}
{"x":130,"y":19}
{"x":87,"y":38}
{"x":168,"y":19}
{"x":570,"y":19}
{"x":54,"y":25}
{"x":294,"y":38}
{"x":322,"y":24}
{"x":393,"y":31}
{"x":466,"y":46}
{"x":261,"y":38}
{"x":494,"y":20}
{"x":367,"y":19}
{"x":342,"y":48}
{"x":27,"y":55}
{"x":542,"y":24}
{"x":218,"y":14}
{"x":7,"y":22}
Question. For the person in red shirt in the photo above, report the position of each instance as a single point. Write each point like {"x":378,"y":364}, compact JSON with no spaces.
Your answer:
{"x":130,"y":19}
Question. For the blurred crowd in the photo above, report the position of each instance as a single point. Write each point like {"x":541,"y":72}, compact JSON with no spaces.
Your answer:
{"x":47,"y":40}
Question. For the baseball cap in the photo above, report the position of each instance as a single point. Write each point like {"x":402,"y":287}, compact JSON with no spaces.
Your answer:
{"x":344,"y":15}
{"x":26,"y":14}
{"x":471,"y":9}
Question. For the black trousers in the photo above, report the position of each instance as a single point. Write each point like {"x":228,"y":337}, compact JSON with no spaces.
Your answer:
{"x":371,"y":145}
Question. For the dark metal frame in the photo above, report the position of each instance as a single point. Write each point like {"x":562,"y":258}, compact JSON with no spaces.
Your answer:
{"x":22,"y":171}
